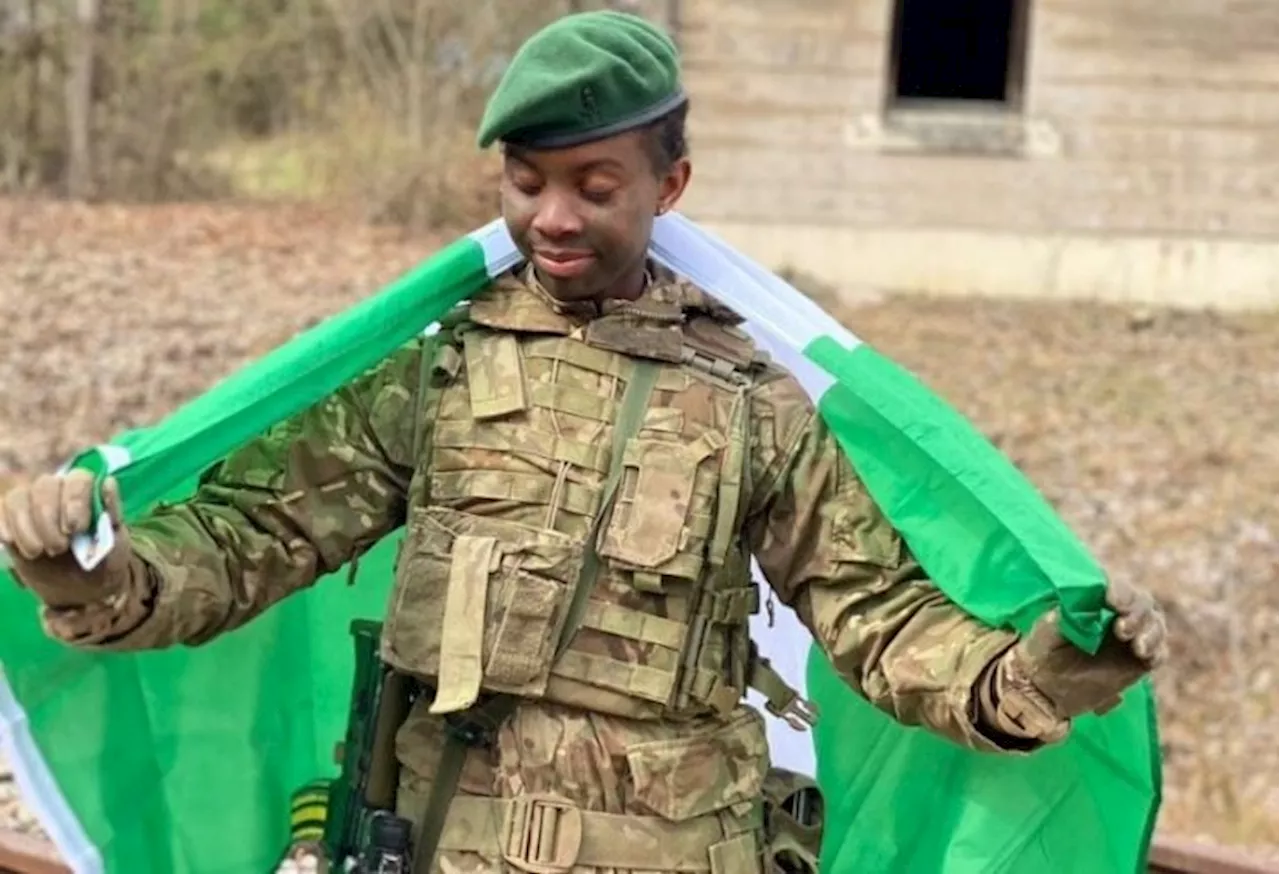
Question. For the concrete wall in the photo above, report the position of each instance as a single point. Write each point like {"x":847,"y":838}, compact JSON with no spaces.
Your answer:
{"x":1142,"y":165}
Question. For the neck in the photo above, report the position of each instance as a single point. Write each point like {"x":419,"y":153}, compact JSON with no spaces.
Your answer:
{"x":630,"y":285}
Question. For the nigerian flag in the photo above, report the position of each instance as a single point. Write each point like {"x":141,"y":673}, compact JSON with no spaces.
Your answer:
{"x":183,"y":761}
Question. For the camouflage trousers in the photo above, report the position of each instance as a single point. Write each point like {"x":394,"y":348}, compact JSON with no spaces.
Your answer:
{"x":567,"y":790}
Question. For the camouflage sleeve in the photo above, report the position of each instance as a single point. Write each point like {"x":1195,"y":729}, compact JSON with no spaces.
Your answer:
{"x":834,"y":558}
{"x":299,"y":502}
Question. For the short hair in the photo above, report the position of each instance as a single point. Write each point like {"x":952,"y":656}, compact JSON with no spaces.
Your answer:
{"x":665,"y":139}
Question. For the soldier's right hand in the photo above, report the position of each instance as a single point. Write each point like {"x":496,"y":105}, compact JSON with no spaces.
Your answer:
{"x":37,"y":523}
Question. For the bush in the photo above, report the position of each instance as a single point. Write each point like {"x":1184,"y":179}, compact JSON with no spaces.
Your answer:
{"x":371,"y":104}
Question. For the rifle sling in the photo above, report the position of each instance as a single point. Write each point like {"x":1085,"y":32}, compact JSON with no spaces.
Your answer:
{"x":491,"y":715}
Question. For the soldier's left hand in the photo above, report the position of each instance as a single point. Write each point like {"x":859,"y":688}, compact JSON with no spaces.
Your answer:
{"x":1044,"y":680}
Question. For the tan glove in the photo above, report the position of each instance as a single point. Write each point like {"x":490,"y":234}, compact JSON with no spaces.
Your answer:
{"x":37,"y":523}
{"x":1040,"y":684}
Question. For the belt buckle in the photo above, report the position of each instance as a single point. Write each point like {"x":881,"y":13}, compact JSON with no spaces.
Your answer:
{"x":800,"y":713}
{"x":542,"y":834}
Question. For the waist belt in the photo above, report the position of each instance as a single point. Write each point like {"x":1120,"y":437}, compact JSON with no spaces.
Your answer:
{"x":546,"y":835}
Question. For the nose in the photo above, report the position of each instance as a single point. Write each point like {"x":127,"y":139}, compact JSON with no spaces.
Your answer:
{"x":556,"y":218}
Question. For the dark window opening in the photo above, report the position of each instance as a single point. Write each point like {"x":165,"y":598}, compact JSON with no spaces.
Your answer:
{"x":957,"y":50}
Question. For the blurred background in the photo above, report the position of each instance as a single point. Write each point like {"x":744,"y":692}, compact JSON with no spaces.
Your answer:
{"x":1061,"y":214}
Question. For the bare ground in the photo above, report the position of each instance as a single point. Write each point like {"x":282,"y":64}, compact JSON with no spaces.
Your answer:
{"x":1154,"y":433}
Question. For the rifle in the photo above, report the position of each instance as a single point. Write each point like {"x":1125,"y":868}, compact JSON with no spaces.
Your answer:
{"x":362,"y":832}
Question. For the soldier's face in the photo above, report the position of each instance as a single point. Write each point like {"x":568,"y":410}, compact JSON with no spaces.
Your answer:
{"x":583,"y":215}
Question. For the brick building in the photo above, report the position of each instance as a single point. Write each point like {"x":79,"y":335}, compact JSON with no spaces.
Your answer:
{"x":1082,"y":148}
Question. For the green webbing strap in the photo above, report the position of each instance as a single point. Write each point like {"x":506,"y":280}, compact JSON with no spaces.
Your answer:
{"x":635,"y":400}
{"x":443,"y":787}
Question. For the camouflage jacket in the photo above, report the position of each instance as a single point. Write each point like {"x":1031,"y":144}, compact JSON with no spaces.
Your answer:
{"x":491,"y":443}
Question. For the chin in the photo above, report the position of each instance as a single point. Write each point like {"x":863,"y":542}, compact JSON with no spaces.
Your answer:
{"x":569,"y":290}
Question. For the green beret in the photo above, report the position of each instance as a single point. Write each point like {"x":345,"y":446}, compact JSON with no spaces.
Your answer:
{"x":584,"y":77}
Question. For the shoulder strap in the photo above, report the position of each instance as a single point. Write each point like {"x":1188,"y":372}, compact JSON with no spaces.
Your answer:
{"x":424,"y":374}
{"x":439,"y":353}
{"x":635,"y":399}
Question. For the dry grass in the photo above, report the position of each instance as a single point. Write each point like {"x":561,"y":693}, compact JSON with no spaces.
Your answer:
{"x":1155,"y":433}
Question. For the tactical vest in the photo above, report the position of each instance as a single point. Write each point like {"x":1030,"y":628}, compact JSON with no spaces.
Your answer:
{"x":610,"y":452}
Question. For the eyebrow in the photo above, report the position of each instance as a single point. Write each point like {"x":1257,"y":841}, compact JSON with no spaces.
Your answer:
{"x":516,"y":154}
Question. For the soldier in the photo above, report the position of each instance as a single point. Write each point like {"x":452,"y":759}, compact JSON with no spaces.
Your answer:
{"x":585,"y":458}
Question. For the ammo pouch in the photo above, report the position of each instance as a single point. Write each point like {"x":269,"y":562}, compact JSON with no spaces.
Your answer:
{"x":793,"y":820}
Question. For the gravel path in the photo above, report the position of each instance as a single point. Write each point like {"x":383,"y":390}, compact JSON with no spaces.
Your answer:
{"x":1153,"y":432}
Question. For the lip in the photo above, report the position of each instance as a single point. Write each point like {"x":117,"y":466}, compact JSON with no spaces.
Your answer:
{"x":563,"y":265}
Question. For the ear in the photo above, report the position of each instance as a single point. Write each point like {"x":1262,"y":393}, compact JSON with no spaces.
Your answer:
{"x":672,"y":186}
